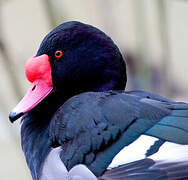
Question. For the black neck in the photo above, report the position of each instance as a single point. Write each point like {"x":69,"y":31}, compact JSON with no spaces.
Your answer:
{"x":35,"y":139}
{"x":35,"y":144}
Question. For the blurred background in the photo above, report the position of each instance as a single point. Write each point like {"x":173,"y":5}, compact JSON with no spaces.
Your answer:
{"x":152,"y":36}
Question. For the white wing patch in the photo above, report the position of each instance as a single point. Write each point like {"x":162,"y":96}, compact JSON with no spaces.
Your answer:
{"x":168,"y":152}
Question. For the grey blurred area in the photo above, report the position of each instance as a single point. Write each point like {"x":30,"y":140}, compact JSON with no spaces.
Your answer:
{"x":152,"y":36}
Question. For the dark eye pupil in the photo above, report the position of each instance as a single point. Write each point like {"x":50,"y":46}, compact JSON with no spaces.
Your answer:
{"x":58,"y":53}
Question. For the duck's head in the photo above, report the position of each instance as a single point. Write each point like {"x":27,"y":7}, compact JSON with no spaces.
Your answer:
{"x":73,"y":58}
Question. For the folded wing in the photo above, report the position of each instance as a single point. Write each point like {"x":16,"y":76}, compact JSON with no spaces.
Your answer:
{"x":93,"y":127}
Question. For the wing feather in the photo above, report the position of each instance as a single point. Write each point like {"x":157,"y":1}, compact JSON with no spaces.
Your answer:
{"x":93,"y":127}
{"x":146,"y":169}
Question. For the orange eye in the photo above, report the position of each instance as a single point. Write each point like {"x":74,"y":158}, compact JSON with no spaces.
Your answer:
{"x":58,"y":54}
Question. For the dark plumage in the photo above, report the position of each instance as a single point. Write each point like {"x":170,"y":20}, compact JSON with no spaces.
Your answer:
{"x":147,"y":169}
{"x":91,"y":61}
{"x":96,"y":126}
{"x":91,"y":127}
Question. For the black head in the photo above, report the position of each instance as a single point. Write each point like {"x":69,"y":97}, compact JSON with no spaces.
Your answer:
{"x":74,"y":58}
{"x":90,"y":61}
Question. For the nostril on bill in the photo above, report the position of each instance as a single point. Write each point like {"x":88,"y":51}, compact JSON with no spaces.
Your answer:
{"x":33,"y":87}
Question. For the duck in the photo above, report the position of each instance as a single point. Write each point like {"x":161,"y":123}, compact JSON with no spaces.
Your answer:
{"x":77,"y":111}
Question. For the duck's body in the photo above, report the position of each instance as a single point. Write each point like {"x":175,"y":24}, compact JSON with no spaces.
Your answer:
{"x":92,"y":127}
